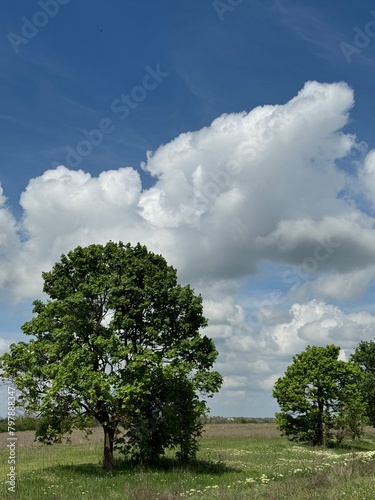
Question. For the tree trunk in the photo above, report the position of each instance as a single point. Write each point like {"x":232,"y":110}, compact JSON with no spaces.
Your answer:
{"x":108,"y":461}
{"x":320,"y":430}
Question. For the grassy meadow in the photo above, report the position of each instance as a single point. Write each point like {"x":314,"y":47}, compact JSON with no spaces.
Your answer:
{"x":235,"y":461}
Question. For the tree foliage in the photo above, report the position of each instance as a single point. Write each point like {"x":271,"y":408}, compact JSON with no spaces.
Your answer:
{"x":118,"y":340}
{"x":319,"y":397}
{"x":364,"y":357}
{"x":168,"y":417}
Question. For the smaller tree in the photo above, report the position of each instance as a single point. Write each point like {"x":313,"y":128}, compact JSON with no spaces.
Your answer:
{"x":364,"y":357}
{"x":319,"y":397}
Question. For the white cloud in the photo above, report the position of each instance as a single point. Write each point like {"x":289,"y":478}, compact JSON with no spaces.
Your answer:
{"x":367,"y":176}
{"x":234,"y":382}
{"x":65,"y":208}
{"x":344,"y":286}
{"x":226,"y":318}
{"x":9,"y":245}
{"x":226,"y":188}
{"x":250,"y":187}
{"x":269,"y":382}
{"x":253,"y":360}
{"x":4,"y":345}
{"x":318,"y":323}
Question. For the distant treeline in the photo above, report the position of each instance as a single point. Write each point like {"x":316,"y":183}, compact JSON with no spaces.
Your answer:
{"x":239,"y":420}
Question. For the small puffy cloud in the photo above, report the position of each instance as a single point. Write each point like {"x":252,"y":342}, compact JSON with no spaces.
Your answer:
{"x":318,"y":323}
{"x":63,"y":201}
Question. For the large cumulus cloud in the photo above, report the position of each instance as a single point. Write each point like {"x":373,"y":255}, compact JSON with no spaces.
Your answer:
{"x":252,"y":187}
{"x":240,"y":185}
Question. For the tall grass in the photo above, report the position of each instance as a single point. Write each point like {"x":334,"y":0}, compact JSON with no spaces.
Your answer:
{"x":235,"y":462}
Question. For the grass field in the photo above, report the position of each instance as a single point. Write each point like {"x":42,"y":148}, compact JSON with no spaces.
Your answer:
{"x":236,"y":461}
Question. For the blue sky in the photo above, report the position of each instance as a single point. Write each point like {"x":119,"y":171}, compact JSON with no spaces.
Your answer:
{"x":243,"y":205}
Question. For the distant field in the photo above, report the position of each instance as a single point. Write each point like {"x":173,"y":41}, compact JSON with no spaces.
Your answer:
{"x":236,"y":461}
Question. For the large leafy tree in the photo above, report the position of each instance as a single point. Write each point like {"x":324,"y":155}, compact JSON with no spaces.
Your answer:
{"x":364,"y":357}
{"x":319,"y":395}
{"x":118,"y":340}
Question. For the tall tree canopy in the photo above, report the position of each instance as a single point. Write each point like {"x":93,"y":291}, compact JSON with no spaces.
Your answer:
{"x":318,"y":394}
{"x":118,"y":340}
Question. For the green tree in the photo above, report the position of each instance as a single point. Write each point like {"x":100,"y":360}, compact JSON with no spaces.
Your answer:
{"x":364,"y":357}
{"x":318,"y":396}
{"x":110,"y":342}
